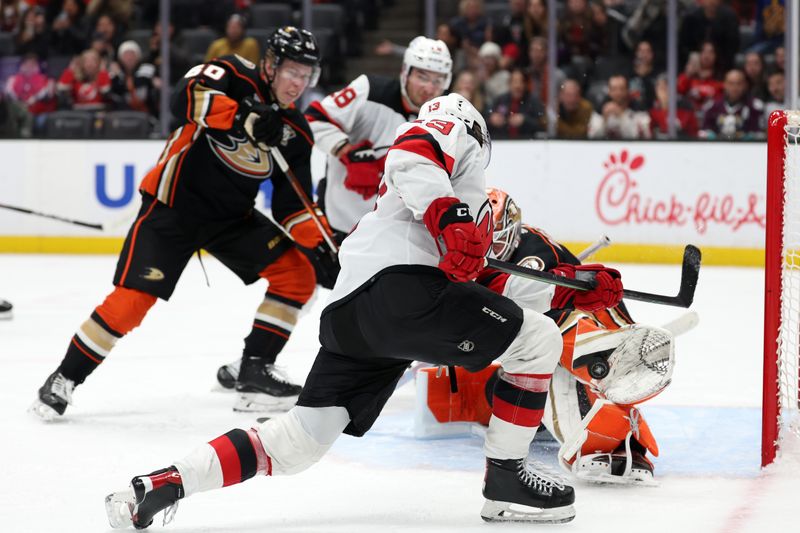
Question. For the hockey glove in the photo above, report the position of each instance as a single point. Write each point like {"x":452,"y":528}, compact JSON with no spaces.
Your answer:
{"x":326,"y":264}
{"x":364,"y":169}
{"x":304,"y":230}
{"x":607,"y":293}
{"x":460,"y":243}
{"x":267,"y":126}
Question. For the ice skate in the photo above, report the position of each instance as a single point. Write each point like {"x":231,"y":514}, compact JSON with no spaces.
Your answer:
{"x":228,"y":375}
{"x":618,"y":468}
{"x":6,"y":312}
{"x":264,"y":387}
{"x":515,"y":492}
{"x":146,"y":497}
{"x":54,"y":396}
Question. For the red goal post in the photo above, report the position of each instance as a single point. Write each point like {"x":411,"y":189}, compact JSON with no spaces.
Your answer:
{"x":781,"y":387}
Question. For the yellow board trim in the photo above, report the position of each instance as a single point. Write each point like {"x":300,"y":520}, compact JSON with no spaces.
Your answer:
{"x":616,"y":253}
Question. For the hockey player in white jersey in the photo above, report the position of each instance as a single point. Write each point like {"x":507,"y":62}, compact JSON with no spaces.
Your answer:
{"x":356,"y":126}
{"x":405,"y":292}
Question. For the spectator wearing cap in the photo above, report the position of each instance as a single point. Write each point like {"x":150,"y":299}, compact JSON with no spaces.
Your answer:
{"x":714,"y":21}
{"x":235,"y":42}
{"x":537,"y":69}
{"x":687,"y":119}
{"x":70,"y":29}
{"x":616,"y":119}
{"x":33,"y":35}
{"x":134,"y":85}
{"x":32,"y":88}
{"x":736,"y":115}
{"x":516,"y":114}
{"x":574,"y":112}
{"x":84,"y":84}
{"x":494,"y":79}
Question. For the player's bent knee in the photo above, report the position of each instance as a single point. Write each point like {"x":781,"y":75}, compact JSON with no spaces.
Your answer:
{"x":124,"y":309}
{"x":536,"y":348}
{"x":300,"y":438}
{"x":291,"y":277}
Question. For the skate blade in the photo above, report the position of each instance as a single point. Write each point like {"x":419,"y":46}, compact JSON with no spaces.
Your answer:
{"x":494,"y":511}
{"x":641,"y":478}
{"x":119,"y":507}
{"x":43,"y":412}
{"x":253,"y":402}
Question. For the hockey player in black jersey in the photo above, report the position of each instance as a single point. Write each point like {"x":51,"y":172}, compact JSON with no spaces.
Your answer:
{"x":356,"y":126}
{"x":201,"y":194}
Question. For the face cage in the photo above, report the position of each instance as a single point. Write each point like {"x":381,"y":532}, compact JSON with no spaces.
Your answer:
{"x":506,"y":240}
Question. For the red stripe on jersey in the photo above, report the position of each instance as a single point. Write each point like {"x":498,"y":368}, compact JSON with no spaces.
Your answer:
{"x":133,"y":242}
{"x":421,"y":142}
{"x":228,"y":460}
{"x":514,"y":414}
{"x":318,"y":107}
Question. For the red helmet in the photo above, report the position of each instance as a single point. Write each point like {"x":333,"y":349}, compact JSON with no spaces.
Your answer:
{"x":507,"y":223}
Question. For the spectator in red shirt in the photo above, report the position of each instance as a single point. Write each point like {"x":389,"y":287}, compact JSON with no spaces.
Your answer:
{"x":687,"y":120}
{"x":31,"y":87}
{"x":84,"y":85}
{"x":700,"y":82}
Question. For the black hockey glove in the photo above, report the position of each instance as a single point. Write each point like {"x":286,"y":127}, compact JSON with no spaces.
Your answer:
{"x":325,"y":262}
{"x":265,"y":128}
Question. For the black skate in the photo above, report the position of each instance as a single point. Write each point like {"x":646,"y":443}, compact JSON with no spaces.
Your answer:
{"x":264,"y":387}
{"x":228,"y":375}
{"x":516,"y":493}
{"x":146,"y":497}
{"x":6,"y":310}
{"x":54,"y":396}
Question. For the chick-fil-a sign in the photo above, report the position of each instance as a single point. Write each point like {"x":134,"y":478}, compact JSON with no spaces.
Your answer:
{"x":621,"y":199}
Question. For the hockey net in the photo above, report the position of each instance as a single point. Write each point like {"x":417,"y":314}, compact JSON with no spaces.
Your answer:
{"x":781,"y":399}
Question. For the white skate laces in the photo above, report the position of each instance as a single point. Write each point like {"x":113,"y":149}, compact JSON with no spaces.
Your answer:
{"x":278,"y":373}
{"x":542,"y":478}
{"x":169,"y":512}
{"x":63,"y":387}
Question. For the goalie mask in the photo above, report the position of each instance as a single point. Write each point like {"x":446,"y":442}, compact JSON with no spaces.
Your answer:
{"x":507,"y":219}
{"x":459,"y":107}
{"x":626,"y":366}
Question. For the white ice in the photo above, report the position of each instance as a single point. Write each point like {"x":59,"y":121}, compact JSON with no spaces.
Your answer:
{"x":152,"y":401}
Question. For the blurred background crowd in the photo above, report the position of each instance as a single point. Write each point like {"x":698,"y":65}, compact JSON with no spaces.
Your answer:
{"x":90,"y":68}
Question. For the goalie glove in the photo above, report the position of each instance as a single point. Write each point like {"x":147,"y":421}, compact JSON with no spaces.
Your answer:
{"x":460,"y":242}
{"x":304,"y":230}
{"x":607,"y":292}
{"x":364,"y":169}
{"x":266,"y":127}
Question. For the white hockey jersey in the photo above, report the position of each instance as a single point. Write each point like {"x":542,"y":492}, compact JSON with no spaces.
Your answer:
{"x":369,"y":109}
{"x":428,"y":160}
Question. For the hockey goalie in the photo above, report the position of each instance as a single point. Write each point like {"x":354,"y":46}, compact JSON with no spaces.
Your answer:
{"x":608,"y":366}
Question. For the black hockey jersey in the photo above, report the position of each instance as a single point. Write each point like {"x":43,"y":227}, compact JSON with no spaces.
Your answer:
{"x":209,"y":169}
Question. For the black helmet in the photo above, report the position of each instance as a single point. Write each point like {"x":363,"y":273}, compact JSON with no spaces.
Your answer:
{"x":297,"y":45}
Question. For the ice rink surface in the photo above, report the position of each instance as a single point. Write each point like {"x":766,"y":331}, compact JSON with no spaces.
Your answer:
{"x":154,"y":399}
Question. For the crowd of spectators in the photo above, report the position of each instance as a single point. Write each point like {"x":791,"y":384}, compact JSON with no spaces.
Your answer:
{"x":103,"y":56}
{"x":97,"y":57}
{"x":611,"y":63}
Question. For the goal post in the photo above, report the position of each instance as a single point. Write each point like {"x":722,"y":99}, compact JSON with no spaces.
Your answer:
{"x":781,"y":380}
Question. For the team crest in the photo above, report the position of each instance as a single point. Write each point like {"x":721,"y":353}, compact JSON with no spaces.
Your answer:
{"x":533,"y":262}
{"x":239,"y":154}
{"x":288,"y":135}
{"x":466,"y":346}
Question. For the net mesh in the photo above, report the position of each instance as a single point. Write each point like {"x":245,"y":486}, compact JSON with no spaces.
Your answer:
{"x":789,"y":333}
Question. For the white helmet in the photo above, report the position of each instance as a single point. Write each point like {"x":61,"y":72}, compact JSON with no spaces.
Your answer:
{"x":426,"y":54}
{"x":457,"y":106}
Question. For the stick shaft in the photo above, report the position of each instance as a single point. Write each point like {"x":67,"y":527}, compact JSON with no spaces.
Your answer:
{"x":593,"y":249}
{"x":53,"y":217}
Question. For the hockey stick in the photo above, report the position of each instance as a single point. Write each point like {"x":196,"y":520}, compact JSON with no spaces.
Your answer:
{"x":682,"y":324}
{"x":593,"y":249}
{"x":54,"y":217}
{"x":690,"y":270}
{"x":293,"y":181}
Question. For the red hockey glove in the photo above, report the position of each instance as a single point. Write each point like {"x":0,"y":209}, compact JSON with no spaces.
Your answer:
{"x":364,"y":169}
{"x":460,"y":243}
{"x":303,"y":229}
{"x":607,"y":293}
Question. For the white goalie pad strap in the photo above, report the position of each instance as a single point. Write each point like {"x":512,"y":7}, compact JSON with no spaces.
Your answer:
{"x":298,"y":439}
{"x":573,"y":442}
{"x":562,"y":414}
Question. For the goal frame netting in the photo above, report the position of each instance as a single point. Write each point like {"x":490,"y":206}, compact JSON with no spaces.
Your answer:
{"x":781,"y":380}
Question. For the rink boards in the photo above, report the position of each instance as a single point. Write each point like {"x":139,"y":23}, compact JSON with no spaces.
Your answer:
{"x":650,"y":198}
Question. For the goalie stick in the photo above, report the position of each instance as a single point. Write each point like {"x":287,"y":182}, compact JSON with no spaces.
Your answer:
{"x":593,"y":249}
{"x":690,"y":270}
{"x":54,"y":217}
